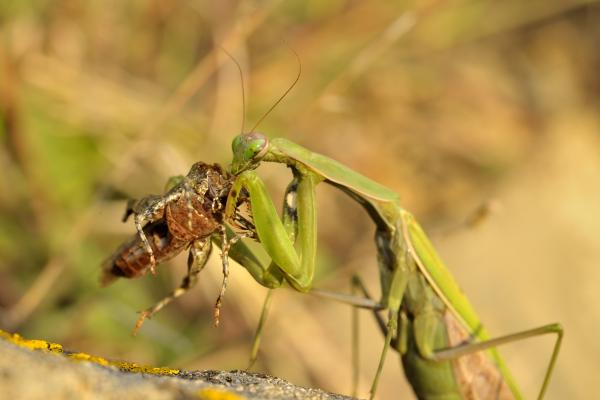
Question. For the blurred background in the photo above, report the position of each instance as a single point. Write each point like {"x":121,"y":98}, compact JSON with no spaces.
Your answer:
{"x":457,"y":105}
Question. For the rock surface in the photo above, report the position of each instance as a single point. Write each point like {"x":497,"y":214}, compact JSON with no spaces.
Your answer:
{"x":36,"y":369}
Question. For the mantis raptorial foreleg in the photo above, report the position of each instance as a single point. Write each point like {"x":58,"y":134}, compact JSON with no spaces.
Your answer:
{"x":297,"y":267}
{"x":199,"y":252}
{"x":290,"y":223}
{"x":290,"y":220}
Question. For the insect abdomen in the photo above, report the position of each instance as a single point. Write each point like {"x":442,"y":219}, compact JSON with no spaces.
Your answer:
{"x":131,"y":259}
{"x":471,"y":377}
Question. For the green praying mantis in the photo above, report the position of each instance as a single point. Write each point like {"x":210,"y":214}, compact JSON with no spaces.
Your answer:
{"x":445,"y":350}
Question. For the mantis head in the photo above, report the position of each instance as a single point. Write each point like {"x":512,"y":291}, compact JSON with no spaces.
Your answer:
{"x":248,"y":150}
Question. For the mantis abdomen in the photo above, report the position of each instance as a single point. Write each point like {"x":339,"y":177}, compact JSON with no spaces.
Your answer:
{"x":472,"y":376}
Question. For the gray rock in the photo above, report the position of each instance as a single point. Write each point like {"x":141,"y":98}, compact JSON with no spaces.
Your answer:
{"x":41,"y":370}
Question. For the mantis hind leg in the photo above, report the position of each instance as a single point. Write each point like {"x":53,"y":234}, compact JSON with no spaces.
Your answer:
{"x":398,"y":340}
{"x":199,"y":253}
{"x":468,"y":348}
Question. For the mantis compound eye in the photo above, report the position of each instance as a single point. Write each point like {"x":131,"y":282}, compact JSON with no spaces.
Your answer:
{"x":248,"y":150}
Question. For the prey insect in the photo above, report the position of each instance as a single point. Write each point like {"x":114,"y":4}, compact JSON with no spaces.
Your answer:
{"x":191,"y":214}
{"x":446,"y":352}
{"x":188,"y":216}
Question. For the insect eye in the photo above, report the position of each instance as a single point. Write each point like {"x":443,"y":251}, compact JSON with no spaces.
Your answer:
{"x":250,"y":146}
{"x":258,"y":148}
{"x":248,"y":150}
{"x":237,"y":143}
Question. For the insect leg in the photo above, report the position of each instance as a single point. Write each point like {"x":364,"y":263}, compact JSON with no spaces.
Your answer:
{"x":263,"y":273}
{"x":140,"y":220}
{"x":290,"y":223}
{"x":129,"y":209}
{"x":143,"y":212}
{"x":355,"y":331}
{"x":398,"y":283}
{"x":350,"y":299}
{"x":297,"y":265}
{"x":198,"y":191}
{"x":225,"y":247}
{"x":259,"y":329}
{"x":468,"y":348}
{"x":199,"y":253}
{"x":364,"y":300}
{"x":190,"y":207}
{"x":398,"y":342}
{"x":149,"y":209}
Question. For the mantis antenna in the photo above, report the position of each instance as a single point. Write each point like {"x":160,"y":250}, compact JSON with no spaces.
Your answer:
{"x":239,"y":67}
{"x":289,"y":89}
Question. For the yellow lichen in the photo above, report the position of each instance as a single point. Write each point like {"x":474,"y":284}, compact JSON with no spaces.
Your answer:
{"x":57,"y":348}
{"x":87,"y":357}
{"x":17,"y":339}
{"x":217,"y":394}
{"x":144,"y":369}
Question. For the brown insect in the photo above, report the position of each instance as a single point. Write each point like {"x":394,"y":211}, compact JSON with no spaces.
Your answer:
{"x":187,"y":216}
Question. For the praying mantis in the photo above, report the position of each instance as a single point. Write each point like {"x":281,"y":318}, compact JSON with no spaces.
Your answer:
{"x":445,"y":350}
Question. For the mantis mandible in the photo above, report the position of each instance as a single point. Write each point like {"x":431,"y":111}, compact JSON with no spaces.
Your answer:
{"x":445,"y":350}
